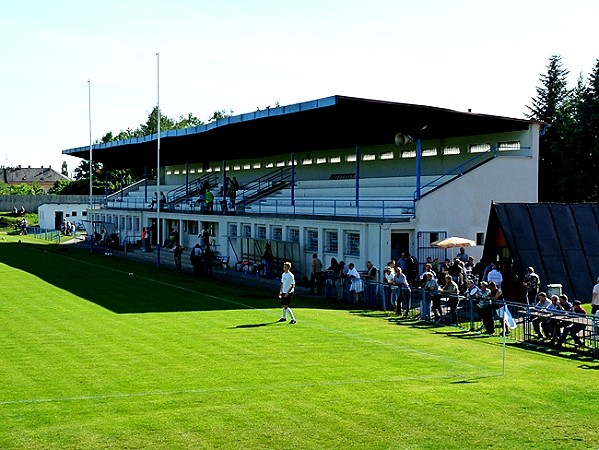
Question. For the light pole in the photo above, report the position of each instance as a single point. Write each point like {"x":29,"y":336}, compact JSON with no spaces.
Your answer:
{"x":91,"y":203}
{"x":158,"y":197}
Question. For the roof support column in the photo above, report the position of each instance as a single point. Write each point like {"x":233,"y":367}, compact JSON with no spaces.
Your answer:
{"x":357,"y":177}
{"x":292,"y":178}
{"x":418,"y":166}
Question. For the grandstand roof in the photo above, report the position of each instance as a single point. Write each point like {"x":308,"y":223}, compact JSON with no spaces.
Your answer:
{"x":561,"y":241}
{"x":332,"y":122}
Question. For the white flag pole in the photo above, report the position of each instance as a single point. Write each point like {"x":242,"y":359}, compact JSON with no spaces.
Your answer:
{"x":158,"y":195}
{"x":91,"y":204}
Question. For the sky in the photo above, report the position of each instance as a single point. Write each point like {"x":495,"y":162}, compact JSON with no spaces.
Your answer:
{"x":62,"y":59}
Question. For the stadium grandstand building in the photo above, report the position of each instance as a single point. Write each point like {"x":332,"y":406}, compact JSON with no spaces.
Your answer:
{"x":354,"y":179}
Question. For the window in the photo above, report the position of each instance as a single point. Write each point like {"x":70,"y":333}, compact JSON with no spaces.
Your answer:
{"x":350,"y":158}
{"x":452,"y":150}
{"x":129,"y":223}
{"x":408,"y":154}
{"x":368,"y":157}
{"x":331,"y":244}
{"x":335,"y":159}
{"x":509,"y":146}
{"x":293,"y":234}
{"x":232,"y":229}
{"x":480,"y":238}
{"x":257,"y":166}
{"x":247,"y":230}
{"x":84,"y":213}
{"x":260,"y":232}
{"x":321,"y":160}
{"x":73,"y":213}
{"x":136,"y":223}
{"x":190,"y":227}
{"x":270,"y":165}
{"x":311,"y":243}
{"x":280,"y":164}
{"x":386,"y":155}
{"x":276,"y":233}
{"x":480,"y":148}
{"x":352,"y":243}
{"x":177,"y":172}
{"x":307,"y":161}
{"x":247,"y":166}
{"x":429,"y":151}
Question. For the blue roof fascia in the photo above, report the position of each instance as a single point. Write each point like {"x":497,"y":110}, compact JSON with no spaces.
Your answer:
{"x":245,"y":117}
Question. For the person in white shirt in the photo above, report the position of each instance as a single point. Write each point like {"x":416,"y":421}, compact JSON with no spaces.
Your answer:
{"x":495,"y":276}
{"x":286,"y":292}
{"x":595,"y":298}
{"x":357,"y":285}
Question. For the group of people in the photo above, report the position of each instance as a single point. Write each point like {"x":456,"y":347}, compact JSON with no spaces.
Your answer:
{"x":554,"y":319}
{"x":68,"y":228}
{"x":18,"y":212}
{"x":345,"y":280}
{"x":22,"y":225}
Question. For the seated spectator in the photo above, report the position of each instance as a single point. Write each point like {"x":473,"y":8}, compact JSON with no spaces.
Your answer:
{"x":450,"y":290}
{"x":564,"y":303}
{"x":542,"y":303}
{"x":550,"y":324}
{"x":431,"y":293}
{"x":573,"y":327}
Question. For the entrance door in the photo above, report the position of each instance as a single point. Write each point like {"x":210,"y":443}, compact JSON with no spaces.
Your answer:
{"x":58,"y":218}
{"x":400,"y":242}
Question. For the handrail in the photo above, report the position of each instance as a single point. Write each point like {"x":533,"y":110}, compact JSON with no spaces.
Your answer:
{"x":459,"y":169}
{"x":185,"y":191}
{"x":252,"y":191}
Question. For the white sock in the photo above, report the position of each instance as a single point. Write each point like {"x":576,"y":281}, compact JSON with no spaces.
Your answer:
{"x":291,"y":313}
{"x":284,"y":313}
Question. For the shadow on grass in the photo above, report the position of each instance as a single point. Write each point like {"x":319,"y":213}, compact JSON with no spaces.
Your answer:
{"x":125,"y":286}
{"x":256,"y":325}
{"x":456,"y":332}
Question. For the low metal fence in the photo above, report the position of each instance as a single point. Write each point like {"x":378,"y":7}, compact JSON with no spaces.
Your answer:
{"x":560,"y":330}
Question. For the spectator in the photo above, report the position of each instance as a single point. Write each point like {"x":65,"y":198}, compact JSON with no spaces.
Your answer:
{"x":551,"y":325}
{"x":402,"y":293}
{"x":485,"y":311}
{"x":357,"y":287}
{"x":450,"y":289}
{"x":267,"y":259}
{"x":388,"y":275}
{"x":595,"y":298}
{"x":154,"y":200}
{"x":573,"y":327}
{"x":340,"y":283}
{"x":542,"y":303}
{"x":431,"y":291}
{"x":532,"y":283}
{"x":316,"y":275}
{"x":565,"y":303}
{"x":143,"y":239}
{"x":495,"y":276}
{"x":462,"y":255}
{"x":209,"y":201}
{"x":195,"y":258}
{"x":177,"y":255}
{"x":371,"y":276}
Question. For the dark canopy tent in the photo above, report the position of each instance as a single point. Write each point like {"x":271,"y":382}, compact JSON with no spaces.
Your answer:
{"x":561,"y":241}
{"x":332,"y":122}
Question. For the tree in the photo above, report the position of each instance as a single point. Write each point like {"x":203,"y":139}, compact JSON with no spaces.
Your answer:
{"x":222,"y":114}
{"x":551,"y":106}
{"x":64,"y":169}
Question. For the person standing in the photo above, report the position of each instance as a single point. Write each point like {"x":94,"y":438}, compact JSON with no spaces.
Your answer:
{"x":495,"y":276}
{"x":316,"y":275}
{"x":177,"y":254}
{"x":532,"y":282}
{"x":286,"y":292}
{"x":267,"y":259}
{"x":143,"y":239}
{"x":595,"y":298}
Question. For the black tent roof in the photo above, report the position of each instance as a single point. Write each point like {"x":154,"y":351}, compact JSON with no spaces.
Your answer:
{"x":332,"y":122}
{"x":561,"y":241}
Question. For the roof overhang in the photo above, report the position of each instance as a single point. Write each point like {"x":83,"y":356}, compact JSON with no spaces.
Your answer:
{"x":332,"y":122}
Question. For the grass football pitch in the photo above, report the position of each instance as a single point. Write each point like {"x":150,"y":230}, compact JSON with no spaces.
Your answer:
{"x":98,"y":352}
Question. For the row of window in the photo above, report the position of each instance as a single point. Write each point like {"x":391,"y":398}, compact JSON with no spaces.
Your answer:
{"x":426,"y":152}
{"x":311,"y":237}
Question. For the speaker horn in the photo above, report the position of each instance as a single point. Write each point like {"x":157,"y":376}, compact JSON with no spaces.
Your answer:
{"x":402,"y":139}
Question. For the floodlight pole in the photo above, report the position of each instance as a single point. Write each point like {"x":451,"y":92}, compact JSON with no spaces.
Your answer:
{"x":91,"y":204}
{"x":158,"y":196}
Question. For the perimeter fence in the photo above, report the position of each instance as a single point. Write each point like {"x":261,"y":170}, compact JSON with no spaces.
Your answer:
{"x":519,"y":322}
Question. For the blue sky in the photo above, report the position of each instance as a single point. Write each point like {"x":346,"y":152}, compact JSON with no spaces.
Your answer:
{"x":241,"y":55}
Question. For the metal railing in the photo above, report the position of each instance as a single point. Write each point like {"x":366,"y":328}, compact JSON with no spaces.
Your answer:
{"x":558,"y":330}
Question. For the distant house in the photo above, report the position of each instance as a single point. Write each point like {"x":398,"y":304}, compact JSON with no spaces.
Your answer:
{"x":45,"y":176}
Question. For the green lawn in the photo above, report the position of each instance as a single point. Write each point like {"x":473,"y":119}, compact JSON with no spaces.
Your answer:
{"x":93,"y":358}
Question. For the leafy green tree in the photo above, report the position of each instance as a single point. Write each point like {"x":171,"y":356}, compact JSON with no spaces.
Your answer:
{"x":222,"y":114}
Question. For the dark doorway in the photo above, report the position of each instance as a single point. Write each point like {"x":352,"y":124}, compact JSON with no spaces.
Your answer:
{"x":58,"y":218}
{"x":400,"y":242}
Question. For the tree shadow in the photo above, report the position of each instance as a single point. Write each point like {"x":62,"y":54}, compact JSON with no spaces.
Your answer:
{"x":126,"y":286}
